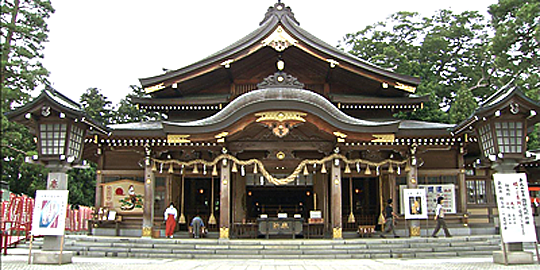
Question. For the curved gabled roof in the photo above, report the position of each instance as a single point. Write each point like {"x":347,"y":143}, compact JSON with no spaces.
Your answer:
{"x":281,"y":99}
{"x":278,"y":15}
{"x":284,"y":98}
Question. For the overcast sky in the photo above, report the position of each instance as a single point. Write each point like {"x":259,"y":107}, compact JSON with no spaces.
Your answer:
{"x":110,"y":44}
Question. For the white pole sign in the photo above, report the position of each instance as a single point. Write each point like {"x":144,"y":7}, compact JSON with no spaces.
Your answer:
{"x":515,"y":212}
{"x":415,"y":203}
{"x":50,"y":212}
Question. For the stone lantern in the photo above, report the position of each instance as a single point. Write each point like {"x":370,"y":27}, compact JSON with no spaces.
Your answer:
{"x":60,"y":126}
{"x":501,"y":125}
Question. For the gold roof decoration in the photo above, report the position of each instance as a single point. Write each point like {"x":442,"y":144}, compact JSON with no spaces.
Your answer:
{"x":281,"y":116}
{"x":279,"y":40}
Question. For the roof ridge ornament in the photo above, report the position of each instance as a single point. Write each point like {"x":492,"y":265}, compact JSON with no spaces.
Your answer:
{"x":279,"y":10}
{"x":280,"y":79}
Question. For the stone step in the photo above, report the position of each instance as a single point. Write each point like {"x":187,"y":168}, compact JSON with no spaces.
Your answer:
{"x":369,"y":248}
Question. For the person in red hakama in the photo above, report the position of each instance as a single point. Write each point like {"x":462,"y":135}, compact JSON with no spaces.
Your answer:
{"x":170,"y":218}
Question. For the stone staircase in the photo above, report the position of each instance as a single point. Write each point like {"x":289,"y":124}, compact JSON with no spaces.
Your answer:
{"x":363,"y":248}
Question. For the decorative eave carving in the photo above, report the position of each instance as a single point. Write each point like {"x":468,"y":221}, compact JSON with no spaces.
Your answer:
{"x":280,"y":80}
{"x":279,"y":40}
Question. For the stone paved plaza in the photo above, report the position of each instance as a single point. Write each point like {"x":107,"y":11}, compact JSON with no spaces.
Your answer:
{"x":19,"y":262}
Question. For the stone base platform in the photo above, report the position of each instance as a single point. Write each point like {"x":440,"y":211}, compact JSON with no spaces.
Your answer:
{"x":51,"y":257}
{"x":514,"y":257}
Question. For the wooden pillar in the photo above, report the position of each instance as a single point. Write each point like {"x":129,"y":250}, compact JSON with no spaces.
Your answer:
{"x":412,"y":182}
{"x":461,"y":181}
{"x":337,"y":223}
{"x":224,"y":201}
{"x":148,"y":207}
{"x":168,"y":191}
{"x":99,"y":181}
{"x":239,"y":197}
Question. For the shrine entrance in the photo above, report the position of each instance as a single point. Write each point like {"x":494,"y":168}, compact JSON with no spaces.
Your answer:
{"x":273,"y":200}
{"x":361,"y":195}
{"x":263,"y":197}
{"x":198,"y":199}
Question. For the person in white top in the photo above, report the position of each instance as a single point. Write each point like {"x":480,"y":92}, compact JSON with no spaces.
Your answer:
{"x":439,"y":217}
{"x":170,"y":217}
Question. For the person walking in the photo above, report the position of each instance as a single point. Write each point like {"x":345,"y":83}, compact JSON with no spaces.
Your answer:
{"x":389,"y":216}
{"x":197,"y":226}
{"x":439,"y":217}
{"x":170,"y":220}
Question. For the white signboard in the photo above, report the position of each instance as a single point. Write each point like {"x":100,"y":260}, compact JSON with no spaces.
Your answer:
{"x":515,"y":212}
{"x":50,"y":212}
{"x":447,"y":191}
{"x":415,"y":203}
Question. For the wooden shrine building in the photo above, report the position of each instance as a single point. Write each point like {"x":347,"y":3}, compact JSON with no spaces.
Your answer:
{"x":278,"y":122}
{"x":281,"y":123}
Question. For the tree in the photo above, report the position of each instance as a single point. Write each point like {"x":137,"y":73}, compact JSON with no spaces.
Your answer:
{"x":24,"y":31}
{"x":82,"y":185}
{"x":516,"y":44}
{"x":128,"y":112}
{"x":96,"y":106}
{"x":516,"y":47}
{"x":448,"y":51}
{"x":17,"y":143}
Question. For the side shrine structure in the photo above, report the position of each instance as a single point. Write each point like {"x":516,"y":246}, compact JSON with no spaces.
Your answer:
{"x":282,"y":124}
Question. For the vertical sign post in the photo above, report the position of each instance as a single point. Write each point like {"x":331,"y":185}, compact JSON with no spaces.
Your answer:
{"x":515,"y":212}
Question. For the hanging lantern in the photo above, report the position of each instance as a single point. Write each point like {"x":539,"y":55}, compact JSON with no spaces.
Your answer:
{"x":195,"y":169}
{"x":255,"y":169}
{"x":358,"y":168}
{"x":171,"y":169}
{"x":214,"y":171}
{"x":234,"y":169}
{"x":154,"y":168}
{"x":323,"y":169}
{"x":182,"y":170}
{"x":242,"y":170}
{"x":306,"y":172}
{"x":398,"y":169}
{"x":368,"y":171}
{"x":204,"y":169}
{"x":347,"y":168}
{"x":390,"y":168}
{"x":161,"y":168}
{"x":377,"y":170}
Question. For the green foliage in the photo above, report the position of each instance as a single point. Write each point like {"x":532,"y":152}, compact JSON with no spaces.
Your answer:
{"x":24,"y":31}
{"x":516,"y":47}
{"x":96,"y":106}
{"x":448,"y":51}
{"x":17,"y":143}
{"x":516,"y":44}
{"x":82,"y":185}
{"x":129,"y":112}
